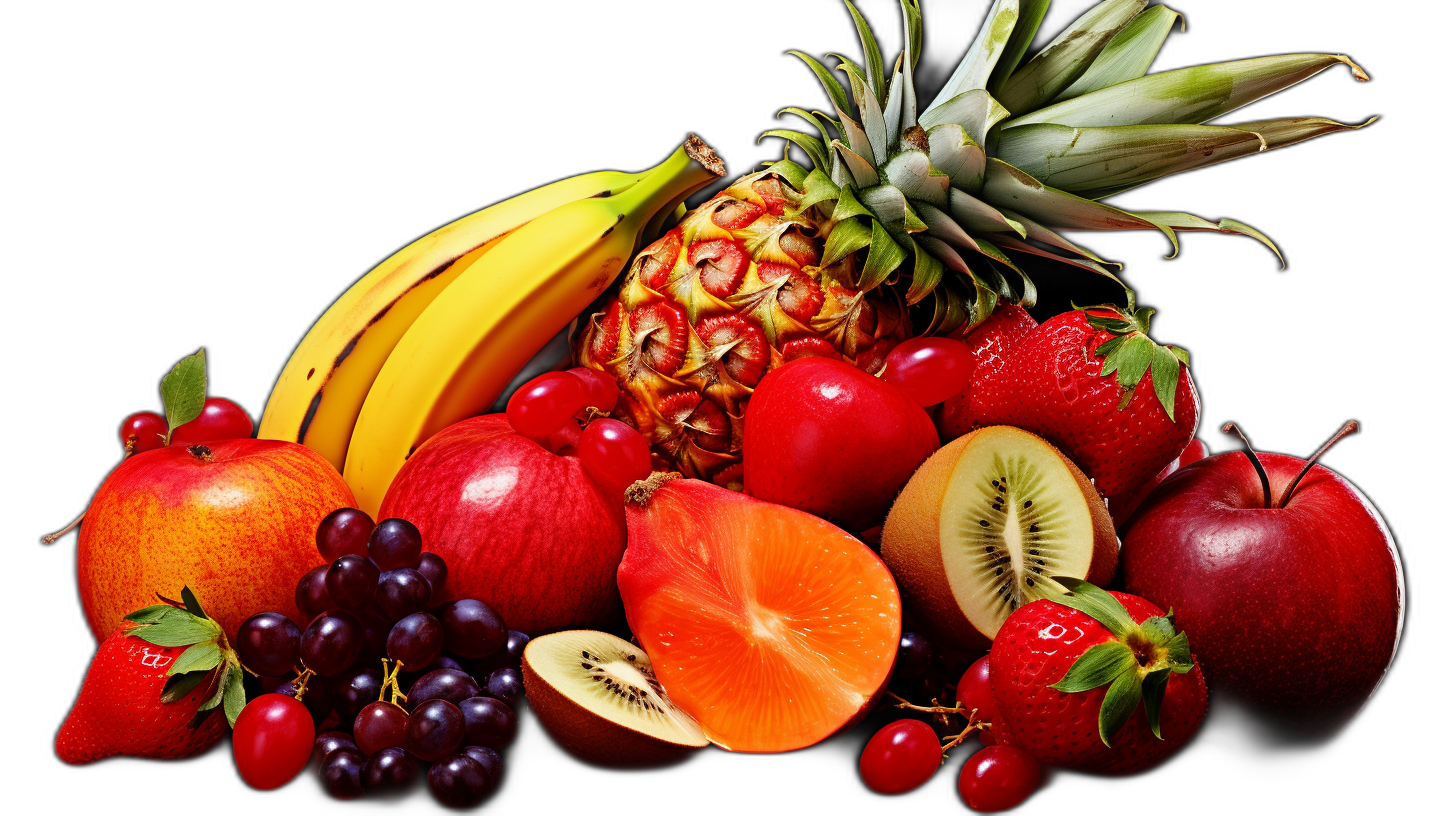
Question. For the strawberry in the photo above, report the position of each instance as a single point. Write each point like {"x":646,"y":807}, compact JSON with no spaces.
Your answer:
{"x":154,"y":687}
{"x":1094,"y":384}
{"x":991,"y":344}
{"x":1095,"y":681}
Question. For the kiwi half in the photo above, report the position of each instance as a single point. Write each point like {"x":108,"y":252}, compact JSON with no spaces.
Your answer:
{"x":596,"y":694}
{"x":985,"y":525}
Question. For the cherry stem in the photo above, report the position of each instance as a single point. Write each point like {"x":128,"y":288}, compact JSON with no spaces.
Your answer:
{"x":1233,"y":428}
{"x":50,"y":538}
{"x":1345,"y":430}
{"x":952,"y":742}
{"x":901,"y":702}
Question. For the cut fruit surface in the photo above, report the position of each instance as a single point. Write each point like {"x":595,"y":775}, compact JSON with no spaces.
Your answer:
{"x":986,"y":524}
{"x":772,"y":628}
{"x":598,"y":697}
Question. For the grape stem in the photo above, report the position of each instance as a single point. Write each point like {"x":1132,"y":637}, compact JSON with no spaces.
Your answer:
{"x":933,"y":708}
{"x":391,"y":683}
{"x":971,"y":728}
{"x":300,"y":683}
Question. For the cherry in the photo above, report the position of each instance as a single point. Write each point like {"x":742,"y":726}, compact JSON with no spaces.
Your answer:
{"x":544,"y":404}
{"x":565,"y":439}
{"x":998,"y":777}
{"x":900,"y":757}
{"x":143,"y":431}
{"x":601,"y":388}
{"x":974,"y":690}
{"x":929,"y":370}
{"x":272,"y":740}
{"x":220,"y":419}
{"x":614,"y":454}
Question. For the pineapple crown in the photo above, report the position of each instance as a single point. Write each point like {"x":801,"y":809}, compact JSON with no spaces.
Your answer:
{"x":1012,"y":150}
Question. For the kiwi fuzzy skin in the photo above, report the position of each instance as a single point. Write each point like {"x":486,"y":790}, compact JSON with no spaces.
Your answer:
{"x":592,"y":737}
{"x":910,"y":544}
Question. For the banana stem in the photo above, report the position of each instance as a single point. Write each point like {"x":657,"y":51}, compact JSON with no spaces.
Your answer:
{"x":690,"y":168}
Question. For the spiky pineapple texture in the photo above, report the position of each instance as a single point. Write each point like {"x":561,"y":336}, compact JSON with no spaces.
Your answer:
{"x":904,"y":208}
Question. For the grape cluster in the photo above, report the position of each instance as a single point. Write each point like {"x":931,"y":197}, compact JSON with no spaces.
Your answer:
{"x":391,"y":675}
{"x":566,"y":412}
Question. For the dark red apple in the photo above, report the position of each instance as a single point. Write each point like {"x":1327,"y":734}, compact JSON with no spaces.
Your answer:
{"x":1291,"y":587}
{"x":824,"y":437}
{"x":521,"y":528}
{"x":1123,"y":505}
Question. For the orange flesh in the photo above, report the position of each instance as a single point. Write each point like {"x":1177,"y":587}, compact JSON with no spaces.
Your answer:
{"x":773,"y":629}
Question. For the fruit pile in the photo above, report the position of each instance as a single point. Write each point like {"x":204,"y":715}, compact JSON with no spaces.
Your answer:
{"x":838,"y":448}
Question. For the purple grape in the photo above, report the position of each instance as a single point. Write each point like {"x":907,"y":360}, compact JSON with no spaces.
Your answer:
{"x":489,"y":760}
{"x":914,"y":656}
{"x":312,"y":595}
{"x":352,"y":582}
{"x":415,"y":641}
{"x":342,"y":774}
{"x":472,"y":629}
{"x":268,"y":644}
{"x":458,"y":781}
{"x":402,"y":592}
{"x":344,"y":532}
{"x":356,"y":688}
{"x":434,"y":730}
{"x":380,"y":725}
{"x":505,"y":685}
{"x":389,"y":770}
{"x":509,"y":655}
{"x":331,"y":642}
{"x":331,"y":741}
{"x":433,"y":568}
{"x":395,"y":543}
{"x":488,"y":722}
{"x":442,"y":684}
{"x":376,"y":633}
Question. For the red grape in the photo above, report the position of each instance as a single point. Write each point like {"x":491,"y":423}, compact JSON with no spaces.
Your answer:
{"x":344,"y":532}
{"x":415,"y":641}
{"x":268,"y":644}
{"x":614,"y":454}
{"x":472,"y":629}
{"x":143,"y":431}
{"x":900,"y":757}
{"x":564,"y":440}
{"x":380,"y":725}
{"x":272,"y":740}
{"x":395,"y":544}
{"x":331,"y":741}
{"x":545,"y":403}
{"x":974,"y":690}
{"x":999,"y":777}
{"x":317,"y":697}
{"x":913,"y":659}
{"x":434,"y":730}
{"x":489,"y":760}
{"x":929,"y":370}
{"x":220,"y":419}
{"x":601,"y":388}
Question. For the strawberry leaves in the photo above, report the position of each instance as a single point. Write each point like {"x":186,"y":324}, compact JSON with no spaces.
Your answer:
{"x":1135,"y":665}
{"x":208,"y":655}
{"x":1131,"y":353}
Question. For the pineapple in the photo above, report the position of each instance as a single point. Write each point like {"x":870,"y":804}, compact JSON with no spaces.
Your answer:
{"x":912,"y":219}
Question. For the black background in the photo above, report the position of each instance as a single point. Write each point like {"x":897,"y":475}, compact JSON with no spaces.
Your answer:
{"x":223,"y":187}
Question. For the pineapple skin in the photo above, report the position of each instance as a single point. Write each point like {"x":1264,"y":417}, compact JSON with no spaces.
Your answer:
{"x":732,"y":292}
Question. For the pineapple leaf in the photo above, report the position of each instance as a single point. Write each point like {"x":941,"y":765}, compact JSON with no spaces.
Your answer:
{"x":894,"y":101}
{"x":857,"y":141}
{"x":927,"y":275}
{"x":1068,"y":56}
{"x":1007,"y":242}
{"x":976,"y":111}
{"x":1129,"y":55}
{"x":807,"y":143}
{"x":1184,"y":222}
{"x":1187,"y":96}
{"x":813,"y":119}
{"x":943,"y":252}
{"x":912,"y":174}
{"x":853,"y":71}
{"x":1029,"y":19}
{"x":817,"y":189}
{"x":1009,"y":188}
{"x":861,"y":171}
{"x":848,"y":207}
{"x":909,"y":108}
{"x":791,"y":171}
{"x":1285,"y":132}
{"x":1083,"y":159}
{"x":939,"y":224}
{"x":831,"y":85}
{"x":874,"y":62}
{"x":884,"y":257}
{"x":892,"y":209}
{"x":914,"y":31}
{"x":952,"y":152}
{"x":846,"y":238}
{"x":975,"y":68}
{"x":1036,"y":232}
{"x":869,"y":111}
{"x":978,"y":216}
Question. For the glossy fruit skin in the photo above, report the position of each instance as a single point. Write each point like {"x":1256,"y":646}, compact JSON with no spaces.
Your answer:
{"x":451,"y":685}
{"x":415,"y":641}
{"x":1317,"y":584}
{"x":236,"y":525}
{"x":489,"y":760}
{"x":434,"y":570}
{"x":221,"y":419}
{"x":344,"y":532}
{"x":357,"y":687}
{"x":401,"y":592}
{"x":143,"y":431}
{"x":545,"y":403}
{"x":352,"y":582}
{"x":459,"y":782}
{"x":268,"y":644}
{"x":472,"y":629}
{"x":488,"y":722}
{"x":119,"y":710}
{"x":900,"y":757}
{"x":380,"y":725}
{"x":342,"y":774}
{"x":311,"y":596}
{"x":434,"y":730}
{"x":929,"y":370}
{"x":974,"y":690}
{"x":523,"y":530}
{"x":395,"y":544}
{"x":1052,"y":385}
{"x":601,"y":388}
{"x":990,"y":343}
{"x":329,"y":742}
{"x":331,"y":642}
{"x":1124,"y":505}
{"x":998,"y":778}
{"x":388,"y":770}
{"x":272,"y":741}
{"x":1036,"y":647}
{"x":614,"y":454}
{"x":318,"y":698}
{"x":824,"y":437}
{"x":915,"y":655}
{"x":505,"y":685}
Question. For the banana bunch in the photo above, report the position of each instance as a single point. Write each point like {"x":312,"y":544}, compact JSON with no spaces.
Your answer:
{"x":434,"y":333}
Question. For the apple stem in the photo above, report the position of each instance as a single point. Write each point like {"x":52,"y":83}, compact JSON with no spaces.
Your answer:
{"x":1345,"y":430}
{"x":1233,"y":428}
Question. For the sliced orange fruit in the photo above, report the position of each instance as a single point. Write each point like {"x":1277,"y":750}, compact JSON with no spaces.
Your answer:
{"x":772,"y":628}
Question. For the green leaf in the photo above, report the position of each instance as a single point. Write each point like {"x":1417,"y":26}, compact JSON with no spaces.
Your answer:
{"x":914,"y":30}
{"x":874,"y":62}
{"x":180,"y":685}
{"x":190,"y":601}
{"x":1067,"y":57}
{"x":184,"y":391}
{"x":1186,"y":96}
{"x":807,"y":143}
{"x":831,"y":85}
{"x":929,"y":272}
{"x":1130,"y":360}
{"x":174,"y":632}
{"x":791,"y":172}
{"x":1183,"y":222}
{"x":1285,"y":132}
{"x":1180,"y":654}
{"x":910,"y":172}
{"x":1007,"y":187}
{"x":1119,"y":704}
{"x":151,"y":614}
{"x":979,"y":217}
{"x":1153,"y":687}
{"x":221,"y":690}
{"x":975,"y":111}
{"x":953,"y":153}
{"x":846,"y":238}
{"x":1027,"y":22}
{"x":1159,"y":630}
{"x":884,"y":257}
{"x":1129,"y":55}
{"x":1166,"y":369}
{"x":817,"y":188}
{"x":895,"y":103}
{"x":1098,"y":666}
{"x":848,"y":206}
{"x":1092,"y":159}
{"x":203,"y":656}
{"x":860,"y":170}
{"x":869,"y":111}
{"x":234,"y":696}
{"x":1097,"y":604}
{"x":975,"y":67}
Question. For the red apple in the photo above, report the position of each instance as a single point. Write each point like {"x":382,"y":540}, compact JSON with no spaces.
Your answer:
{"x":824,"y":437}
{"x":1291,"y":590}
{"x":520,"y":528}
{"x":1123,"y":505}
{"x":234,"y":520}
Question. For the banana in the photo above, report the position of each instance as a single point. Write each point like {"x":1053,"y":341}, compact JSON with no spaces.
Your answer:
{"x":318,"y":396}
{"x":465,"y":347}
